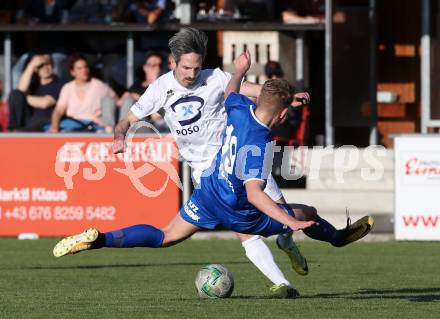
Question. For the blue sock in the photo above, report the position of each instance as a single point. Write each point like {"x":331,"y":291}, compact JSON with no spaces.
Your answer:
{"x":135,"y":236}
{"x":324,"y":232}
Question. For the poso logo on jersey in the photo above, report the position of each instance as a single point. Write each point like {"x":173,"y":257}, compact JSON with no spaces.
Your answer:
{"x":188,"y":111}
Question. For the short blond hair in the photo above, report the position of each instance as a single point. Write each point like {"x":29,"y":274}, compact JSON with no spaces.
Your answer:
{"x":277,"y":92}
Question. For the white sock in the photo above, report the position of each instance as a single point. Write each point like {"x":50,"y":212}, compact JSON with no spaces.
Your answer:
{"x":260,"y":255}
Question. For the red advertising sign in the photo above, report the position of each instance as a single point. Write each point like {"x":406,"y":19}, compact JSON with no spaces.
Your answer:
{"x":60,"y":185}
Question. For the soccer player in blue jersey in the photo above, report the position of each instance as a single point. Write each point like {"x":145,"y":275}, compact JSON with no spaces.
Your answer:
{"x":232,"y":194}
{"x":192,"y":100}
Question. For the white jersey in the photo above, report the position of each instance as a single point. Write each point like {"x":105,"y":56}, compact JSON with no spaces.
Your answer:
{"x":196,"y":116}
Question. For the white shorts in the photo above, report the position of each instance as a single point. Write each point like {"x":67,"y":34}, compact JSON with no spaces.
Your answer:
{"x":272,"y":190}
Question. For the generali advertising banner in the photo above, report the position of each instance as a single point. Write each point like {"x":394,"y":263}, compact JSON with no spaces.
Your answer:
{"x":60,"y":185}
{"x":417,"y":189}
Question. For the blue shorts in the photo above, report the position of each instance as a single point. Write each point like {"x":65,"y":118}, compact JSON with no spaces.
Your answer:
{"x":214,"y":216}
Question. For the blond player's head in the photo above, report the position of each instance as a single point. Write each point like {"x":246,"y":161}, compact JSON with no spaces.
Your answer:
{"x":275,"y":97}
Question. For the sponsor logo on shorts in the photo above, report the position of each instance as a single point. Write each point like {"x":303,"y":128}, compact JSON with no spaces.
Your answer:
{"x":190,"y":209}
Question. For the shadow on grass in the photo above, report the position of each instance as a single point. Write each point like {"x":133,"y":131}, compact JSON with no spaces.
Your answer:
{"x":221,"y":299}
{"x":253,"y":297}
{"x":171,"y":264}
{"x":410,"y":294}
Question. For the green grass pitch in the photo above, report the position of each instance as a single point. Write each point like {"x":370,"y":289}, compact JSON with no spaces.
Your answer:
{"x":365,"y":280}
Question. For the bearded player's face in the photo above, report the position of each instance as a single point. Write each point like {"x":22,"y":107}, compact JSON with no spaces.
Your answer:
{"x":188,"y":69}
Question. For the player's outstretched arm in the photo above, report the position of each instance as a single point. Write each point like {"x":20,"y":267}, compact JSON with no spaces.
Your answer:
{"x":253,"y":90}
{"x":250,"y":89}
{"x":257,"y":197}
{"x":120,"y":132}
{"x":241,"y":65}
{"x":57,"y":115}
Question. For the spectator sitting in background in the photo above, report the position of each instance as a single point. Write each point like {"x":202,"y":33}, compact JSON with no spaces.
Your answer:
{"x":57,"y":59}
{"x":152,"y":69}
{"x":31,"y":105}
{"x":142,"y":11}
{"x":87,"y":104}
{"x":304,"y":11}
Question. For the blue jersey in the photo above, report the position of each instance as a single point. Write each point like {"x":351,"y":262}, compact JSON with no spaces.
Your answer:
{"x":246,"y":154}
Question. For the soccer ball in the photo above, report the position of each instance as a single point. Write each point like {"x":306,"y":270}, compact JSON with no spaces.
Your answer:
{"x":214,"y":281}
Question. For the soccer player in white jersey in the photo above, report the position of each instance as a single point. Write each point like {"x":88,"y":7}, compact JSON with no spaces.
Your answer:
{"x":192,"y":99}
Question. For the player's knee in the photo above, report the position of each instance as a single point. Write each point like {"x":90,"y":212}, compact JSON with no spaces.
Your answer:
{"x":176,"y":231}
{"x":245,"y":237}
{"x":169,"y":238}
{"x":310,"y":213}
{"x":304,"y":212}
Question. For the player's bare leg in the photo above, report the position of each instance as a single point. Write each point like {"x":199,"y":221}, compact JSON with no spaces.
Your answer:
{"x":177,"y":231}
{"x":134,"y":236}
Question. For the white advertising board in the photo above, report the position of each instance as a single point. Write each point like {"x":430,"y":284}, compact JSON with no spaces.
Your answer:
{"x":417,"y":187}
